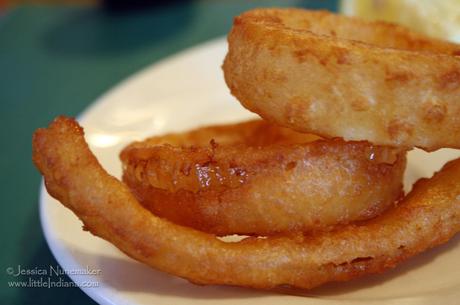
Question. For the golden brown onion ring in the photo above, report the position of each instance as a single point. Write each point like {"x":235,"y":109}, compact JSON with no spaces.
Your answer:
{"x":256,"y":178}
{"x":339,"y":76}
{"x":427,"y":217}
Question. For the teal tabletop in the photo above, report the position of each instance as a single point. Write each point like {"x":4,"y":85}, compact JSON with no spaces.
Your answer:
{"x":58,"y":60}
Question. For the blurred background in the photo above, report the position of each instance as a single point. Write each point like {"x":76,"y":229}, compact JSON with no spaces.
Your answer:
{"x":57,"y":57}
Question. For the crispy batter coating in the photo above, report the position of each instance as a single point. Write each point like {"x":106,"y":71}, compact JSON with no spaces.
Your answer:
{"x":340,"y":76}
{"x":256,"y":178}
{"x":427,"y":217}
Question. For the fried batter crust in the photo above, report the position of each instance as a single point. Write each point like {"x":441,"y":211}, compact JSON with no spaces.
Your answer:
{"x":256,"y":178}
{"x":427,"y":217}
{"x":339,"y":76}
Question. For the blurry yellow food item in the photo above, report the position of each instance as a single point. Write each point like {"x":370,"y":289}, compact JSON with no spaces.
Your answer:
{"x":439,"y":19}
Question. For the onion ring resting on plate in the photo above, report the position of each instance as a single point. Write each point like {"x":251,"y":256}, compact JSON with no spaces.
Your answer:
{"x":427,"y":217}
{"x":340,"y":76}
{"x":257,"y":178}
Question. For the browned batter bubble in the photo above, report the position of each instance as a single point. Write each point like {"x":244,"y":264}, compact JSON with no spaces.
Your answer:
{"x":435,"y":112}
{"x":398,"y":77}
{"x":450,"y":80}
{"x":359,"y":104}
{"x":399,"y":129}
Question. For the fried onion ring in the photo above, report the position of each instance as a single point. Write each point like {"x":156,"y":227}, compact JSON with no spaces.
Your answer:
{"x":339,"y":76}
{"x":256,"y":178}
{"x":427,"y":217}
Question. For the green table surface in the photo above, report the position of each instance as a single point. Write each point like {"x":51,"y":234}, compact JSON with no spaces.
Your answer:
{"x":58,"y":60}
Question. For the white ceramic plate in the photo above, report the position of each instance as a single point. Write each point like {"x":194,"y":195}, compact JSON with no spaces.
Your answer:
{"x":185,"y":91}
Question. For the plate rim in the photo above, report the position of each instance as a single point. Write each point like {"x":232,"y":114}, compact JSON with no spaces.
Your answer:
{"x":52,"y":239}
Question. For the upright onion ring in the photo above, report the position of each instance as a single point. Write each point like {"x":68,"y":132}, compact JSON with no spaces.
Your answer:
{"x":257,"y":178}
{"x":340,"y":76}
{"x":427,"y":217}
